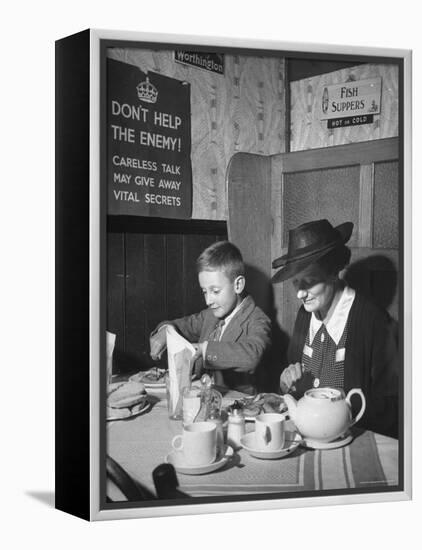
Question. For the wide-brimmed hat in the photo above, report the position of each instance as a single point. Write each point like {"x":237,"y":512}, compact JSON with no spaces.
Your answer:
{"x":307,"y":243}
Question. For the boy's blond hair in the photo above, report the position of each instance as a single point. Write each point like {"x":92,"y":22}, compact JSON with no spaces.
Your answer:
{"x":222,"y":256}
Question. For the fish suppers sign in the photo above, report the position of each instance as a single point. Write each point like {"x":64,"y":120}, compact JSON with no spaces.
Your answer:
{"x":149,"y":169}
{"x":351,"y":103}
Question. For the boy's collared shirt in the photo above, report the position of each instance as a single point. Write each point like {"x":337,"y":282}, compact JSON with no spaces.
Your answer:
{"x":229,"y":318}
{"x":225,"y":322}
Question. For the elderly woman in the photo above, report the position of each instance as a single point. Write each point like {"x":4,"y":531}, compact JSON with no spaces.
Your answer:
{"x":340,"y":339}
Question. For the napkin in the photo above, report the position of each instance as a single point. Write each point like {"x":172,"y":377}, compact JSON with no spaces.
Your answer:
{"x":180,"y":354}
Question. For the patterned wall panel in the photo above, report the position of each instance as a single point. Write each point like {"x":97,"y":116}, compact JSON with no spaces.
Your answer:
{"x":308,"y":132}
{"x":386,"y":205}
{"x":240,"y":111}
{"x":332,"y":193}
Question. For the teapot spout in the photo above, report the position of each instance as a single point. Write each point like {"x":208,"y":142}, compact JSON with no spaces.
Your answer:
{"x":291,"y":405}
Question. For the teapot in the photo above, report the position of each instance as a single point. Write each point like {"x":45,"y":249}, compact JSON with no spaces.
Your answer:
{"x":324,"y":414}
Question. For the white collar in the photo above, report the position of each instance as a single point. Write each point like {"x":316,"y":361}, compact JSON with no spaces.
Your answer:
{"x":230,"y":317}
{"x":337,"y":322}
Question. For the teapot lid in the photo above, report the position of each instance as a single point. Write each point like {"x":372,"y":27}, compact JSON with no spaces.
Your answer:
{"x":331,"y":394}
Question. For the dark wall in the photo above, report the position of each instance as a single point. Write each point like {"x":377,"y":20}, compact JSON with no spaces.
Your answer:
{"x":151,"y":277}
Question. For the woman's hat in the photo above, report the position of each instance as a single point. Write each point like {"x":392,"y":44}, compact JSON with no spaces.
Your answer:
{"x":309,"y":242}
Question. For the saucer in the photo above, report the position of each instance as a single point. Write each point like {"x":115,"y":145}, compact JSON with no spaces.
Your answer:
{"x":341,"y":441}
{"x":176,"y":458}
{"x":293,"y":440}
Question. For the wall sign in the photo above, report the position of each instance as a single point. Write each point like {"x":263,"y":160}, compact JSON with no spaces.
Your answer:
{"x":213,"y":62}
{"x":351,"y":103}
{"x":149,"y":142}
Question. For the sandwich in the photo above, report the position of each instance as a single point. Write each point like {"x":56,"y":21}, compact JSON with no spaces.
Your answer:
{"x":127,"y":395}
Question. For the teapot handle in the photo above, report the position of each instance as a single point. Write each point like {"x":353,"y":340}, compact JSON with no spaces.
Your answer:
{"x":363,"y":407}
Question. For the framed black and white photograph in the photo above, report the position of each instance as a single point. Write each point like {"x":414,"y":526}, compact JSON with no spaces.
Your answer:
{"x":237,"y":217}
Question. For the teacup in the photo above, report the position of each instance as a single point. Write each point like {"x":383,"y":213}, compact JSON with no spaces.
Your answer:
{"x":198,"y":443}
{"x":269,"y":431}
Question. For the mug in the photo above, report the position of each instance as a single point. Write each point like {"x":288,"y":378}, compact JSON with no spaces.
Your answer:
{"x":198,"y":443}
{"x":269,"y":431}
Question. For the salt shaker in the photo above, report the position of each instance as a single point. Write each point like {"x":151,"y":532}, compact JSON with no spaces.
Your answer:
{"x":236,"y":428}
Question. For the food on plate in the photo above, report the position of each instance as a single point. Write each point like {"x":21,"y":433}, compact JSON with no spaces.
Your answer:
{"x":127,"y":395}
{"x":114,"y":414}
{"x":151,"y":377}
{"x":262,"y":402}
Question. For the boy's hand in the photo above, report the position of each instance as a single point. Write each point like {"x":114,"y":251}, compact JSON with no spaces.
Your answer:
{"x":289,"y":376}
{"x":157,"y":344}
{"x":199,"y":358}
{"x":200,"y":349}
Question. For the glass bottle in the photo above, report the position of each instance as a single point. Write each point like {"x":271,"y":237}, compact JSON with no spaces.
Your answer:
{"x":216,"y":419}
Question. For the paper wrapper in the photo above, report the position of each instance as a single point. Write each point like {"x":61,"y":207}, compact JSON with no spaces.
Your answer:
{"x":180,"y":354}
{"x":110,"y":341}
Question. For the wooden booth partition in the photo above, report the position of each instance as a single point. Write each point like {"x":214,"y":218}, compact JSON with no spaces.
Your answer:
{"x":356,"y":182}
{"x":151,"y":277}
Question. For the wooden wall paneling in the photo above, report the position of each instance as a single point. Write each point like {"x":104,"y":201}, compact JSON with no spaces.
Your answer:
{"x":161,"y":226}
{"x":155,"y":275}
{"x":116,"y":291}
{"x":366,"y":199}
{"x":250,"y":223}
{"x":193,"y":245}
{"x":374,"y":272}
{"x":137,"y":346}
{"x":277,"y":186}
{"x":381,"y":150}
{"x":386,"y":201}
{"x":175,"y":276}
{"x":277,"y":245}
{"x":254,"y":225}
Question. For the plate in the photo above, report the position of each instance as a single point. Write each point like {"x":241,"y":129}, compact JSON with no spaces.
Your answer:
{"x":146,"y":377}
{"x":176,"y":458}
{"x":122,"y":414}
{"x":293,"y":440}
{"x":342,"y":441}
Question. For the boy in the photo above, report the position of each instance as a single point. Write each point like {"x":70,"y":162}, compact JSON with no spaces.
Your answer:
{"x":232,"y":334}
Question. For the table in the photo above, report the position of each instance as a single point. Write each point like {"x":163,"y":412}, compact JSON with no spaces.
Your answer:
{"x":140,"y":443}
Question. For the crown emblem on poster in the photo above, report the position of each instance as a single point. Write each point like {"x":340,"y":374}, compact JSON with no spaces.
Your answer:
{"x":147,"y":92}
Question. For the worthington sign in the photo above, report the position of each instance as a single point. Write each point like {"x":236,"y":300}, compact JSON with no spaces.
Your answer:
{"x":213,"y":62}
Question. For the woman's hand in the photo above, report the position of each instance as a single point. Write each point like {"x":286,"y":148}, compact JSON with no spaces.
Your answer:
{"x":289,"y":377}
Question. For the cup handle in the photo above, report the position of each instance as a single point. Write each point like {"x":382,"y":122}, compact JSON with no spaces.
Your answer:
{"x":363,"y":407}
{"x":174,"y":441}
